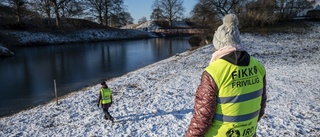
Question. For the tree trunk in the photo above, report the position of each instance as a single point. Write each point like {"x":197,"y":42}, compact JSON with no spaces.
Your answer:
{"x":106,"y":12}
{"x":18,"y":15}
{"x":18,"y":9}
{"x":100,"y":17}
{"x":56,"y":11}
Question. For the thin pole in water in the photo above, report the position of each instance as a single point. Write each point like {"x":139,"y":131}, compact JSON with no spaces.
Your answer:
{"x":55,"y":90}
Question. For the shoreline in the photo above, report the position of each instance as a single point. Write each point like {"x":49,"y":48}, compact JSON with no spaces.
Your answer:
{"x":53,"y":101}
{"x":30,"y":39}
{"x":82,"y":83}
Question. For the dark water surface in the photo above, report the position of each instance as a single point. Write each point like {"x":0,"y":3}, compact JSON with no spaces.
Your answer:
{"x":27,"y":79}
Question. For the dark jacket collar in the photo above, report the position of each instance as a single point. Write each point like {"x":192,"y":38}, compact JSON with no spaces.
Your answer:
{"x":240,"y":58}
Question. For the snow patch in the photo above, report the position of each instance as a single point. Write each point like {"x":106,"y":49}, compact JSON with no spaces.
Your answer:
{"x":158,"y":100}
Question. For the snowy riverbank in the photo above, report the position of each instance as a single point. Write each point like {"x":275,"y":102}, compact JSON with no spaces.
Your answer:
{"x":157,"y":100}
{"x":5,"y":52}
{"x":27,"y":38}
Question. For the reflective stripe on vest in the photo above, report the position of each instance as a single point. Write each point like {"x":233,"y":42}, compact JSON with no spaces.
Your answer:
{"x":238,"y":97}
{"x":236,"y":118}
{"x":105,"y":95}
{"x":241,"y":98}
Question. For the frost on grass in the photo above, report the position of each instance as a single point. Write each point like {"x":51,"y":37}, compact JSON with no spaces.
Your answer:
{"x":157,"y":100}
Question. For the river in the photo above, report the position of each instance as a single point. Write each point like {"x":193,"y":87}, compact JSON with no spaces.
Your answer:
{"x":27,"y":80}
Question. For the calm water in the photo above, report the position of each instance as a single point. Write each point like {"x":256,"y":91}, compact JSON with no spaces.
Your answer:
{"x":27,"y":79}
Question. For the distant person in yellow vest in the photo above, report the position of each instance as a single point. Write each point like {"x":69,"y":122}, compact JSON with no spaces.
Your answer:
{"x":105,"y":99}
{"x":231,"y":97}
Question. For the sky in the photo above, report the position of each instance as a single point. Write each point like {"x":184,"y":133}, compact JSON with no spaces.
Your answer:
{"x":143,"y":8}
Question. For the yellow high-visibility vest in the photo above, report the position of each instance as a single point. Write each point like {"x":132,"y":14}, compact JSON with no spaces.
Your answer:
{"x":105,"y":95}
{"x":238,"y":98}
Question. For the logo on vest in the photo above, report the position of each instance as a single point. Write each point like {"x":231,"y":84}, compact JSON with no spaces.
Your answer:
{"x":241,"y":130}
{"x":233,"y":133}
{"x":245,"y":77}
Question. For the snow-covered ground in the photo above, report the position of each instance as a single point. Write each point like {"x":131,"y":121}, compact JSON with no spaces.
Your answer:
{"x":4,"y":52}
{"x":157,"y":100}
{"x":30,"y":38}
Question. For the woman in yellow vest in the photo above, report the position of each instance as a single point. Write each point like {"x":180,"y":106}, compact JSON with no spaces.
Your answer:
{"x":231,"y":97}
{"x":105,"y":99}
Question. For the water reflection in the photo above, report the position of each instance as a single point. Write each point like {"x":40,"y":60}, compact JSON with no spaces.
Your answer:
{"x":27,"y":79}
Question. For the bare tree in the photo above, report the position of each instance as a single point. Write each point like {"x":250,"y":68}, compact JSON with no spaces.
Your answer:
{"x":258,"y":13}
{"x":43,"y":7}
{"x":107,"y":13}
{"x":57,"y":8}
{"x":18,"y":8}
{"x":61,"y":8}
{"x":203,"y":13}
{"x":287,"y":9}
{"x":71,"y":8}
{"x":107,"y":10}
{"x":56,"y":4}
{"x":156,"y":14}
{"x":222,"y":7}
{"x":121,"y":19}
{"x":97,"y":6}
{"x":172,"y":9}
{"x":142,"y":20}
{"x":115,"y":9}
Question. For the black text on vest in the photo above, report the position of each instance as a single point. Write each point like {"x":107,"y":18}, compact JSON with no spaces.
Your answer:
{"x":244,"y":77}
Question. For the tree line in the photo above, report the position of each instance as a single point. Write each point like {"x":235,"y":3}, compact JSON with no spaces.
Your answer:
{"x":106,"y":12}
{"x":250,"y":12}
{"x":113,"y":13}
